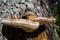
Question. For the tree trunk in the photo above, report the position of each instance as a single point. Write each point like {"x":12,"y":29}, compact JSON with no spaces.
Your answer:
{"x":45,"y":11}
{"x":41,"y":7}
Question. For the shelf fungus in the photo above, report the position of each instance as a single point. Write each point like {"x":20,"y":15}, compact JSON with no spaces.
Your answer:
{"x":27,"y":25}
{"x":44,"y":20}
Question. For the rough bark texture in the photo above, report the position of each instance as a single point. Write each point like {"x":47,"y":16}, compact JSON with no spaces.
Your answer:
{"x":46,"y":12}
{"x":10,"y":8}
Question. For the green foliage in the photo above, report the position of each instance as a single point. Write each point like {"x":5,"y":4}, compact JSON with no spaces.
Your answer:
{"x":57,"y":20}
{"x":56,"y":13}
{"x":58,"y":30}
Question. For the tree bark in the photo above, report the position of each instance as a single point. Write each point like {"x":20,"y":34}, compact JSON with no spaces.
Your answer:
{"x":46,"y":12}
{"x":44,"y":32}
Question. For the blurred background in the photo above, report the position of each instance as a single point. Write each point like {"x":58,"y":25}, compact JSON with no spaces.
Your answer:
{"x":56,"y":12}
